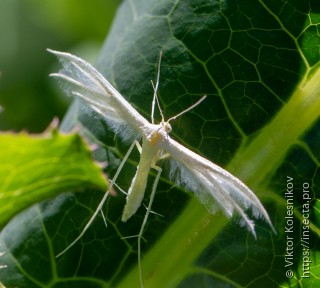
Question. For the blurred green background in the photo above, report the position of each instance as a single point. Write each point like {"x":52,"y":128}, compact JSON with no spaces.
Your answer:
{"x":29,"y":98}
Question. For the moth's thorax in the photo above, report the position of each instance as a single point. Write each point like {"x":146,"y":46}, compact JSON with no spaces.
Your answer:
{"x":159,"y":133}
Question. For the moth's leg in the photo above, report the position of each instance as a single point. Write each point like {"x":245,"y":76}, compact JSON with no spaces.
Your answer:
{"x":134,"y":143}
{"x":140,"y":235}
{"x":138,"y":146}
{"x":104,"y":219}
{"x":120,"y":189}
{"x":152,"y":212}
{"x":112,"y":182}
{"x":164,"y":156}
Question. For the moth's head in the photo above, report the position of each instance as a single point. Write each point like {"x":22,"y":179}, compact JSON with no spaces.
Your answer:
{"x":166,"y":126}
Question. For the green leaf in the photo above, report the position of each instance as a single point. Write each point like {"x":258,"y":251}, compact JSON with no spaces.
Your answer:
{"x":38,"y":167}
{"x":258,"y":63}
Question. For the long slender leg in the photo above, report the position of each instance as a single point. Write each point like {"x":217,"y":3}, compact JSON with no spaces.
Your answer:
{"x":134,"y":143}
{"x":140,"y":235}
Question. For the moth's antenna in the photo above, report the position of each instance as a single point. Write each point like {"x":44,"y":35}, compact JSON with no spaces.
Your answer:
{"x":188,"y":109}
{"x":155,"y":96}
{"x":156,"y":99}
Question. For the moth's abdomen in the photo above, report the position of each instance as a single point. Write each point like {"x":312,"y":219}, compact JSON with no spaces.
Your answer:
{"x":135,"y":193}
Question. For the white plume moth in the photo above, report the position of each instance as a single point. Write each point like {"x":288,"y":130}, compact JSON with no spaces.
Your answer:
{"x":206,"y":179}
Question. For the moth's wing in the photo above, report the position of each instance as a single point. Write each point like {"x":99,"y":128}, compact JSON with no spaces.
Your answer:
{"x":215,"y":187}
{"x":85,"y":82}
